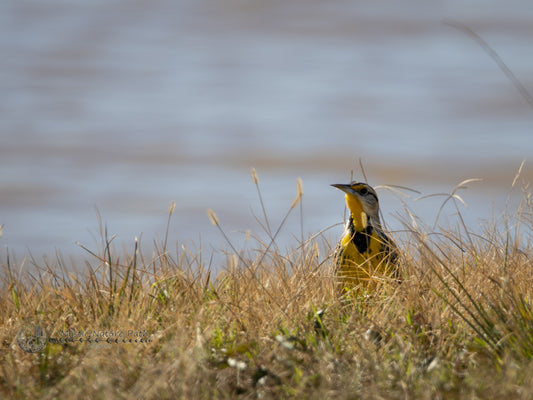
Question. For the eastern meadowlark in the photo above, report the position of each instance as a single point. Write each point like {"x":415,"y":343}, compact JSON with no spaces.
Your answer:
{"x":365,"y":253}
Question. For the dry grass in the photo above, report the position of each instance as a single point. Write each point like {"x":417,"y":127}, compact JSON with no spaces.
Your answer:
{"x":460,"y":325}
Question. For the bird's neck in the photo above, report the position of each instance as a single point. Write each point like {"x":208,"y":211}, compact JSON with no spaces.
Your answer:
{"x":358,"y":216}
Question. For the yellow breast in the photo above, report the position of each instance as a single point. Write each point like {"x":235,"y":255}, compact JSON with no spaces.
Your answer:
{"x":363,"y":269}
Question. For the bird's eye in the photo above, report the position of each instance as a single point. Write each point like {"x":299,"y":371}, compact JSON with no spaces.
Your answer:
{"x":363,"y":191}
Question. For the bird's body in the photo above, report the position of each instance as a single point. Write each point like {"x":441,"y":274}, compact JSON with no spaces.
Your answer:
{"x":365,"y":254}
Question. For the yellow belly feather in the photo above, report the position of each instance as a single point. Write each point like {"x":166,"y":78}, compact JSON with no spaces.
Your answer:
{"x":363,"y":269}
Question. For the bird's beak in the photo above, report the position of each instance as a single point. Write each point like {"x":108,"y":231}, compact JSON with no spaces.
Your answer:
{"x":344,"y":187}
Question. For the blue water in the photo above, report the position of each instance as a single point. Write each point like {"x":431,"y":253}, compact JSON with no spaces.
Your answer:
{"x":125,"y":107}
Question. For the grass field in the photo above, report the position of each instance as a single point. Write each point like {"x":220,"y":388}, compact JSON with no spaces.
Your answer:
{"x":460,"y":325}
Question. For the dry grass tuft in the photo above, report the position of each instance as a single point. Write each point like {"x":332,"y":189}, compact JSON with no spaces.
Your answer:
{"x":459,"y":325}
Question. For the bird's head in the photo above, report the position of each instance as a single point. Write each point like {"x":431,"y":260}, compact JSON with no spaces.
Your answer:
{"x":361,"y":199}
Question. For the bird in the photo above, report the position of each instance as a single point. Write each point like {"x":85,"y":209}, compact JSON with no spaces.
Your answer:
{"x":365,"y":254}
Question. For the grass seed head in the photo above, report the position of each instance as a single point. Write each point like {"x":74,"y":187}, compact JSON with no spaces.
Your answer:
{"x":172,"y":207}
{"x":299,"y":192}
{"x":255,"y":179}
{"x":212,"y":217}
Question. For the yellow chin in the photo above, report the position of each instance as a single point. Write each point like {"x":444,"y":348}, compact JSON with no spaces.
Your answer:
{"x":360,"y":219}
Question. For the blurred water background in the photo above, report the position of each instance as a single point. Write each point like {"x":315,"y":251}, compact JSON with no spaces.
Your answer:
{"x":125,"y":106}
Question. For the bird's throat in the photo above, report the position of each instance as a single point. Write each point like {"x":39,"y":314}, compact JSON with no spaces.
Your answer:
{"x":358,"y":215}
